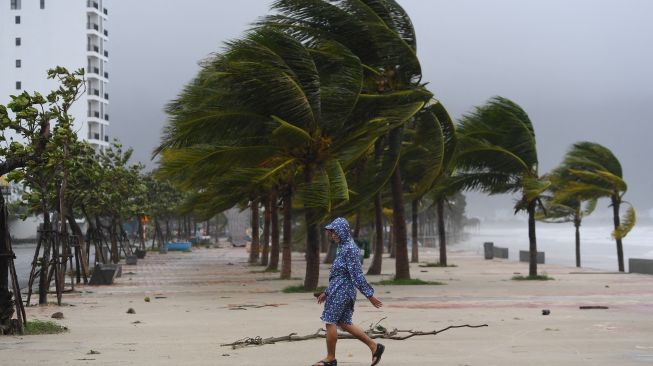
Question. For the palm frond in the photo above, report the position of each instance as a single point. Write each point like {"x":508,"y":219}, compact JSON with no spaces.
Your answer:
{"x":627,"y":223}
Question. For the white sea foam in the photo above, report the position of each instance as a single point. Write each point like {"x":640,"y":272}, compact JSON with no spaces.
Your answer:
{"x":598,"y":249}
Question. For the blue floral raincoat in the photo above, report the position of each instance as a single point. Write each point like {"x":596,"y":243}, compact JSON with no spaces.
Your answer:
{"x":346,"y":276}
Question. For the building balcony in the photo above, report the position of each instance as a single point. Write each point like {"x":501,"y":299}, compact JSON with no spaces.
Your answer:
{"x":96,"y":121}
{"x":94,"y":7}
{"x":96,"y":54}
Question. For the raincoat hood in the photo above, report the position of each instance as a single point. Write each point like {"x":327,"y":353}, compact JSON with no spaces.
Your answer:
{"x":341,"y":227}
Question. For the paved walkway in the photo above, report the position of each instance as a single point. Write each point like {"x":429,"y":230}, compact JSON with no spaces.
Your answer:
{"x":195,"y":297}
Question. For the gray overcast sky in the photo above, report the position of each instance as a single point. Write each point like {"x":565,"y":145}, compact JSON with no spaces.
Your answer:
{"x":581,"y":69}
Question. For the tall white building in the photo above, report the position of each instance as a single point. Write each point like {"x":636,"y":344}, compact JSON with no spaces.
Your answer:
{"x":36,"y":35}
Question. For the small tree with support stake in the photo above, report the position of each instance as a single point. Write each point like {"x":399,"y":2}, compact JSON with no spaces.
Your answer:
{"x":27,"y":124}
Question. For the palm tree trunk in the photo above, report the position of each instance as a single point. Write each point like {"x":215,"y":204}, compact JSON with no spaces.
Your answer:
{"x":577,"y":226}
{"x":324,"y":242}
{"x":312,"y":241}
{"x":357,"y":225}
{"x":286,"y":255}
{"x":274,"y":232}
{"x":415,"y":251}
{"x":377,"y":259}
{"x":532,"y":242}
{"x":616,"y":203}
{"x":442,"y":235}
{"x":254,"y":248}
{"x":402,"y":266}
{"x":266,"y":234}
{"x":392,"y":244}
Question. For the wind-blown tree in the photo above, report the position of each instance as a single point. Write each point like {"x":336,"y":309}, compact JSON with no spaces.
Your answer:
{"x":35,"y":150}
{"x":560,"y":207}
{"x":595,"y":172}
{"x":308,"y":122}
{"x":497,"y":154}
{"x":381,"y":35}
{"x":427,"y":162}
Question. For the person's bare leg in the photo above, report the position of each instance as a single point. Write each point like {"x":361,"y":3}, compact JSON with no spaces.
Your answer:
{"x":331,"y":339}
{"x":360,"y":334}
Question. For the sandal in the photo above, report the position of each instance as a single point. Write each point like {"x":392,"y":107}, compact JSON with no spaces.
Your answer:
{"x":378,"y":353}
{"x":327,"y":363}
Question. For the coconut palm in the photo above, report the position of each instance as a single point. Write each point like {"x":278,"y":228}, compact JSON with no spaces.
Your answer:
{"x":574,"y":210}
{"x":595,"y":172}
{"x":427,"y":157}
{"x":312,"y":123}
{"x":380,"y":33}
{"x":497,"y":154}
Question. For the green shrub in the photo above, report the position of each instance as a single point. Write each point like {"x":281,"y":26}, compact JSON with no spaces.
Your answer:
{"x":43,"y":327}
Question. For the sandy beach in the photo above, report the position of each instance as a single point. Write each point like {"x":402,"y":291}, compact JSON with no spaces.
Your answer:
{"x":193,"y":296}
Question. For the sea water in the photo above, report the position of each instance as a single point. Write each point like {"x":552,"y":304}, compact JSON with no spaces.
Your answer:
{"x":598,"y":248}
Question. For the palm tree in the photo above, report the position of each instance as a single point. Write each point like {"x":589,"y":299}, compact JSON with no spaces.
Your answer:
{"x":596,"y":172}
{"x":381,"y":35}
{"x":560,"y":207}
{"x":312,"y":123}
{"x":497,"y":154}
{"x":427,"y":161}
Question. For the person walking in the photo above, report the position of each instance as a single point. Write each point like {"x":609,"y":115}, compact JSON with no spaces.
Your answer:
{"x":340,"y":296}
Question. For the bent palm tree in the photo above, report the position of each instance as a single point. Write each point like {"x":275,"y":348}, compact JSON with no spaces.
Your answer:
{"x":497,"y":154}
{"x":565,"y":209}
{"x":380,"y":33}
{"x":596,"y":172}
{"x":288,"y":114}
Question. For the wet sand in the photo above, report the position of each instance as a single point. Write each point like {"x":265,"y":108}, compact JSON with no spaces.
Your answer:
{"x":193,"y":295}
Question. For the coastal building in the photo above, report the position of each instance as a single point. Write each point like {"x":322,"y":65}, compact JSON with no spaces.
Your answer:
{"x":36,"y":35}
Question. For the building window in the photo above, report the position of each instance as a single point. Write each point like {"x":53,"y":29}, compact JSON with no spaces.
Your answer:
{"x":17,"y":19}
{"x":17,"y":41}
{"x":15,"y":4}
{"x":42,"y":4}
{"x":19,"y":85}
{"x":18,"y":63}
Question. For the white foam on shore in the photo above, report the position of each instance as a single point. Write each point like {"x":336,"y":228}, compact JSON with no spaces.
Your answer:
{"x":598,"y":249}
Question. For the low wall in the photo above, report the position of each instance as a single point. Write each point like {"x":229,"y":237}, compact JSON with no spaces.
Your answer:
{"x":640,"y":265}
{"x":488,"y":249}
{"x":501,"y":253}
{"x":524,"y":256}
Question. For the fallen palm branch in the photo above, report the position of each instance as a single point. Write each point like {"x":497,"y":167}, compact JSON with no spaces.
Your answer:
{"x":374,"y":331}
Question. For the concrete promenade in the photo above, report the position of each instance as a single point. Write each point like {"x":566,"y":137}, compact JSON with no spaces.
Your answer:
{"x":194,"y":297}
